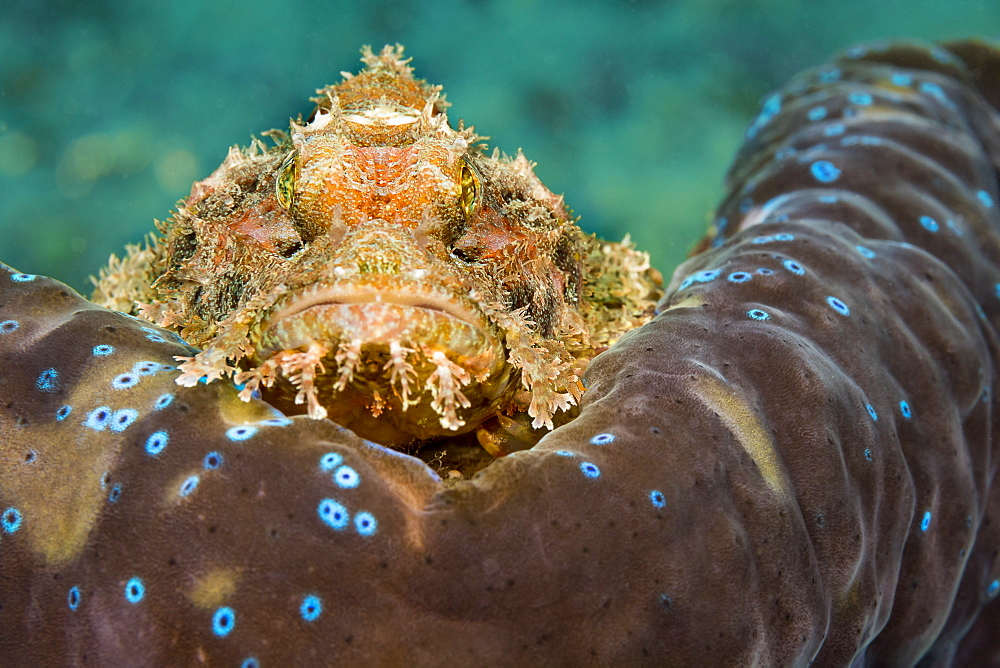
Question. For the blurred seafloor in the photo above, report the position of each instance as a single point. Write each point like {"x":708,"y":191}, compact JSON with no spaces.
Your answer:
{"x":109,"y":110}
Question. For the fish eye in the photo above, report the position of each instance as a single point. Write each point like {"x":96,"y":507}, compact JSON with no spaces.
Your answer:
{"x":469,"y":199}
{"x":284,"y":186}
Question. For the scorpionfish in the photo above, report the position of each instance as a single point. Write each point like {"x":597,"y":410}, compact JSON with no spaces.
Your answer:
{"x":378,"y":266}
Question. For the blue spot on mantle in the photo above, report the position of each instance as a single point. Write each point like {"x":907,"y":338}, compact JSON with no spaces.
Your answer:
{"x":824,"y":171}
{"x":11,"y":520}
{"x":240,"y":433}
{"x":223,"y":621}
{"x":135,"y":591}
{"x":346,"y":477}
{"x":73,"y":598}
{"x":365,"y":523}
{"x":48,"y":381}
{"x":603,"y":439}
{"x":333,"y":514}
{"x":311,"y":608}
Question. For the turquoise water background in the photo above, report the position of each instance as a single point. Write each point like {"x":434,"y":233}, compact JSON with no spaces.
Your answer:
{"x":110,"y":110}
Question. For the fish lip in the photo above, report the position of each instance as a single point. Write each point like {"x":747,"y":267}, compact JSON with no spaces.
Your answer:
{"x":308,"y":298}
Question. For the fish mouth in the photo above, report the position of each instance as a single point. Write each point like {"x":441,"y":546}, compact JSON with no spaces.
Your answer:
{"x":374,"y":315}
{"x":395,"y":365}
{"x":337,"y":296}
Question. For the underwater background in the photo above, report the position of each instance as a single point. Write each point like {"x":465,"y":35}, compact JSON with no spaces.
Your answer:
{"x":633,"y":110}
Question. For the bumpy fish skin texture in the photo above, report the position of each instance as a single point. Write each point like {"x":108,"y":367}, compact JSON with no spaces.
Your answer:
{"x":378,"y":266}
{"x":793,"y":463}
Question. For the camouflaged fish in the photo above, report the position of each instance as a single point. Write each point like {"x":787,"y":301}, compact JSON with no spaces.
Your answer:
{"x":380,"y":267}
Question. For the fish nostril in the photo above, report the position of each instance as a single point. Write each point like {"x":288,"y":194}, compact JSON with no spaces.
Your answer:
{"x":461,"y":255}
{"x":292,"y":249}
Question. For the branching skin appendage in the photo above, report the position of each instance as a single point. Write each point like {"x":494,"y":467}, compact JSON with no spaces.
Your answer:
{"x":377,"y":267}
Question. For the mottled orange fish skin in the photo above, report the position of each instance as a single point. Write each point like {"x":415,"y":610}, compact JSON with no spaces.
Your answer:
{"x":379,"y":267}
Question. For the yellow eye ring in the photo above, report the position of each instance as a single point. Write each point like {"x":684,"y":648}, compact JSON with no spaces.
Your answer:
{"x":469,"y":198}
{"x":284,"y":185}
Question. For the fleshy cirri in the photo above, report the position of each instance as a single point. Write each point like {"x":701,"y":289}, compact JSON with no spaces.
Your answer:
{"x":794,"y":463}
{"x":378,"y":266}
